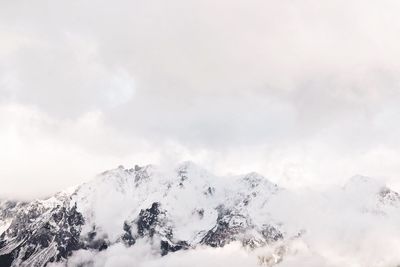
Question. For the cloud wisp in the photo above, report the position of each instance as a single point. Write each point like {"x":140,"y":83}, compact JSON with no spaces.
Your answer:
{"x":341,"y":227}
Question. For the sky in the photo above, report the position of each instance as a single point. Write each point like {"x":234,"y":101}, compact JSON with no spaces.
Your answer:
{"x":306,"y":93}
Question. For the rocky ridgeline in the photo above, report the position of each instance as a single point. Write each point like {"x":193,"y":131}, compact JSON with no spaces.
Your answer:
{"x":174,"y":210}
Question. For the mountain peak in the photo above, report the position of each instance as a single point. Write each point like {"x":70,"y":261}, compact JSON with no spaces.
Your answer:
{"x":180,"y":208}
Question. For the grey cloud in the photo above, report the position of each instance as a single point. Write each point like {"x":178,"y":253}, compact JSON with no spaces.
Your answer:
{"x":208,"y":76}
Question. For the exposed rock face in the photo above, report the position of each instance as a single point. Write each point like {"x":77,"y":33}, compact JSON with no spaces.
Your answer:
{"x":153,"y":222}
{"x":229,"y":227}
{"x":234,"y":226}
{"x":174,"y":211}
{"x":148,"y":220}
{"x":41,"y":232}
{"x":388,"y":196}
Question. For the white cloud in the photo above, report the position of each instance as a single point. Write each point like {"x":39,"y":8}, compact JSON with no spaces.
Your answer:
{"x":305,"y":89}
{"x":340,"y":228}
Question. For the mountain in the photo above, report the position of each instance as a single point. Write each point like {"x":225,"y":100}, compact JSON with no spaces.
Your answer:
{"x":174,"y":210}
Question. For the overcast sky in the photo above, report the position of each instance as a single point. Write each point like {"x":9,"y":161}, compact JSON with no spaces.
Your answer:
{"x":306,"y":92}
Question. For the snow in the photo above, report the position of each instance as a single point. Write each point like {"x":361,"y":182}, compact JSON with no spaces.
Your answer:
{"x":187,"y":190}
{"x":332,"y":222}
{"x":4,"y":225}
{"x":118,"y":195}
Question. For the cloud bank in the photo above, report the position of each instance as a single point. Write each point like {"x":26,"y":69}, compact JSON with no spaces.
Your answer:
{"x":305,"y":92}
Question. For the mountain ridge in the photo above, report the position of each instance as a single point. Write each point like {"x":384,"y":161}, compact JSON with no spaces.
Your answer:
{"x":178,"y":210}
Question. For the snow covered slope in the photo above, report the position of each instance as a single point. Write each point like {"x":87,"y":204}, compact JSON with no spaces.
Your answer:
{"x":176,"y":210}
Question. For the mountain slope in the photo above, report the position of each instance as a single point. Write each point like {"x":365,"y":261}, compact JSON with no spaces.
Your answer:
{"x":174,"y":210}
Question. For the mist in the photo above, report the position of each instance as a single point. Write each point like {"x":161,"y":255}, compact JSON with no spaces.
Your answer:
{"x":339,"y":227}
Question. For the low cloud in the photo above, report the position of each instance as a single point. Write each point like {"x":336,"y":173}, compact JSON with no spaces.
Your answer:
{"x":231,"y":255}
{"x":342,"y":227}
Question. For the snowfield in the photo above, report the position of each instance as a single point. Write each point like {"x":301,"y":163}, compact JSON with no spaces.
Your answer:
{"x":186,"y":216}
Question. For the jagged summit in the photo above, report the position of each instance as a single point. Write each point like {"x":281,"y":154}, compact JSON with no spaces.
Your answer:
{"x":180,"y":208}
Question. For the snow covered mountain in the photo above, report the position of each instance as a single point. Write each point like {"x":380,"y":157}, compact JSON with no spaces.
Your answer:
{"x":177,"y":210}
